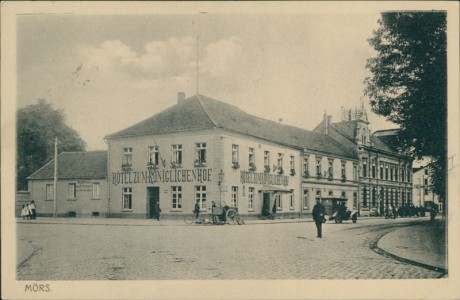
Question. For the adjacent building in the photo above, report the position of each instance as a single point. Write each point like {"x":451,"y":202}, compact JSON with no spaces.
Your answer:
{"x":81,"y":185}
{"x":423,"y":193}
{"x":384,"y":173}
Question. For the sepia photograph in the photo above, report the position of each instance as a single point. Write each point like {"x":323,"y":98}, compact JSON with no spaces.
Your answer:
{"x":230,"y":150}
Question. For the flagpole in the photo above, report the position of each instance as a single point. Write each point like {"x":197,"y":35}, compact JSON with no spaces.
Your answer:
{"x":55,"y":174}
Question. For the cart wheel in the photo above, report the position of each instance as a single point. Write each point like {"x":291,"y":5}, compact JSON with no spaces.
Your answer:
{"x":231,"y":216}
{"x":189,"y":219}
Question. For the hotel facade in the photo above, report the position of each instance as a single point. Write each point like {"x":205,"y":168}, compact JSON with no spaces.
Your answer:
{"x":203,"y":150}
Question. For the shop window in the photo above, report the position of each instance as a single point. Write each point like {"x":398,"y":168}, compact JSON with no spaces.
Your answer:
{"x":200,"y":154}
{"x":176,"y":158}
{"x":396,"y":198}
{"x":278,"y":202}
{"x":305,"y":199}
{"x":355,"y":200}
{"x":176,"y":201}
{"x":96,"y":188}
{"x":234,"y":200}
{"x":291,"y":200}
{"x":72,"y":190}
{"x":251,"y":199}
{"x":200,"y":196}
{"x":364,"y":197}
{"x":49,"y":191}
{"x":127,"y":198}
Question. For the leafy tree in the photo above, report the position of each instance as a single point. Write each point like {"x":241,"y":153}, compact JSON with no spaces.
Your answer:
{"x":408,"y":84}
{"x":37,"y":127}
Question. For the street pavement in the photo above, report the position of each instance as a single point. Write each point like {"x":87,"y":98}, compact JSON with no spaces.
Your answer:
{"x":120,"y":249}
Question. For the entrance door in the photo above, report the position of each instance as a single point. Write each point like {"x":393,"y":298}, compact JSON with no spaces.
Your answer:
{"x":154,"y":197}
{"x":266,"y":204}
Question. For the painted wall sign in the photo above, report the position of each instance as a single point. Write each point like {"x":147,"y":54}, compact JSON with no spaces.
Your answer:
{"x":162,"y":176}
{"x":263,"y":178}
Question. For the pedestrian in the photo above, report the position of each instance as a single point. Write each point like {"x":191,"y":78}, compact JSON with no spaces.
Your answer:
{"x":33,"y":209}
{"x":433,"y":214}
{"x":318,"y":216}
{"x":28,"y":211}
{"x":157,"y":210}
{"x":24,"y":212}
{"x":197,"y":209}
{"x":274,"y":208}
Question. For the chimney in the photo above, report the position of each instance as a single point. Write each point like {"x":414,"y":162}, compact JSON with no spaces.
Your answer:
{"x":180,"y":97}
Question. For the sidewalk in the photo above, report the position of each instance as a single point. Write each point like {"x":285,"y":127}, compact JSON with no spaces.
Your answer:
{"x":424,"y":244}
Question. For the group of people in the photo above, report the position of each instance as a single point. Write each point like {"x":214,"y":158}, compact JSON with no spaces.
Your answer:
{"x":29,"y":211}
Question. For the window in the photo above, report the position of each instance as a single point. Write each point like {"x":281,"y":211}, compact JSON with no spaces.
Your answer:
{"x":331,"y":193}
{"x":278,"y":202}
{"x":235,"y":153}
{"x":374,"y":196}
{"x":252,"y":156}
{"x":386,"y":196}
{"x":386,"y":172}
{"x":251,"y":199}
{"x":266,"y":158}
{"x":396,"y":173}
{"x":373,"y":169}
{"x":409,"y":197}
{"x":355,"y":172}
{"x":200,"y":196}
{"x":391,"y":173}
{"x":72,"y":191}
{"x":355,"y":200}
{"x":306,"y":172}
{"x":154,"y":155}
{"x":344,"y":195}
{"x":96,"y":190}
{"x":176,"y":192}
{"x":127,"y":198}
{"x":49,"y":192}
{"x":234,"y":200}
{"x":127,"y":156}
{"x":364,"y":167}
{"x":318,"y":166}
{"x":305,"y":199}
{"x":396,"y":198}
{"x":381,"y":170}
{"x":292,"y":163}
{"x":403,"y":174}
{"x":343,"y":172}
{"x":364,"y":197}
{"x":280,"y":160}
{"x":426,"y":171}
{"x":200,"y":153}
{"x":403,"y":196}
{"x":409,"y":175}
{"x":176,"y":154}
{"x":318,"y":194}
{"x":291,"y":200}
{"x":330,"y":168}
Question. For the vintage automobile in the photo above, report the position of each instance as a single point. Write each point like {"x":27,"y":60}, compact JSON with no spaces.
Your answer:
{"x":337,"y":211}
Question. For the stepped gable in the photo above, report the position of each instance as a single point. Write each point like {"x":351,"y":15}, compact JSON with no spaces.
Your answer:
{"x":201,"y":112}
{"x":75,"y":165}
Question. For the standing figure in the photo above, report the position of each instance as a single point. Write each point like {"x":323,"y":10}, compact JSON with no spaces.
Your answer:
{"x":157,"y":211}
{"x":197,"y":209}
{"x":33,"y":209}
{"x":318,"y":216}
{"x":24,"y":212}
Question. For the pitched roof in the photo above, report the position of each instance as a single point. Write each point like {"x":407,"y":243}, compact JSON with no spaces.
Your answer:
{"x":200,"y":112}
{"x":75,"y":165}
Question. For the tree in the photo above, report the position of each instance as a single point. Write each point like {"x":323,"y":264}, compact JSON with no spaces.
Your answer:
{"x":37,"y":127}
{"x":408,"y":84}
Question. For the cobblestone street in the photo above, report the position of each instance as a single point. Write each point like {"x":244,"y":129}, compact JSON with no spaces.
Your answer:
{"x":151,"y":250}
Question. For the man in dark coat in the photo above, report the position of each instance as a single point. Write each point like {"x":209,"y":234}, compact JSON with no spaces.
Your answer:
{"x":318,"y":216}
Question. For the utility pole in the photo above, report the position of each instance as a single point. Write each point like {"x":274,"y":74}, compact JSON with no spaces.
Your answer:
{"x":55,"y":175}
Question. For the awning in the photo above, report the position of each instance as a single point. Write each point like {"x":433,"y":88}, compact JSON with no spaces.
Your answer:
{"x":275,"y":189}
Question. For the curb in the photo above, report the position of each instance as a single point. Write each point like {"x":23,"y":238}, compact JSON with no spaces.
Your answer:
{"x":374,"y":247}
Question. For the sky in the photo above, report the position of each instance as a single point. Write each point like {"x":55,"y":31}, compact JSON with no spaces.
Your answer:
{"x":110,"y":71}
